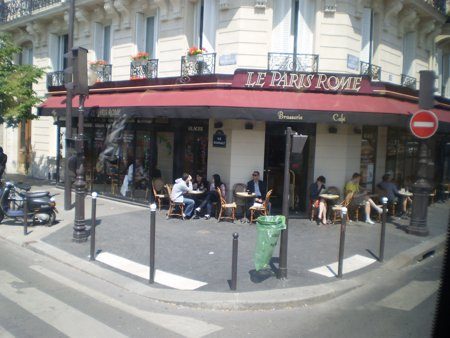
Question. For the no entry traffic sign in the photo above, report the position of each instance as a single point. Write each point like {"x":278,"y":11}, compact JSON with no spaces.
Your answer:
{"x":423,"y":124}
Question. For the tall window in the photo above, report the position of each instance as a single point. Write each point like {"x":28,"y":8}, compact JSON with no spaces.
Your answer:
{"x":205,"y":24}
{"x":146,"y":34}
{"x":293,"y":26}
{"x":366,"y":54}
{"x":409,"y":48}
{"x":102,"y":42}
{"x":26,"y":56}
{"x":63,"y":44}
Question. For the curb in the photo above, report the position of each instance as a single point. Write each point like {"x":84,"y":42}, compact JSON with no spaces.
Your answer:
{"x":256,"y":300}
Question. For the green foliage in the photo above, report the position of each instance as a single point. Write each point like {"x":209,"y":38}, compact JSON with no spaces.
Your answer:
{"x":17,"y":96}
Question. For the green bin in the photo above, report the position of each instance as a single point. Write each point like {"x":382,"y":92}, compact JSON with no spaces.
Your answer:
{"x":268,"y":231}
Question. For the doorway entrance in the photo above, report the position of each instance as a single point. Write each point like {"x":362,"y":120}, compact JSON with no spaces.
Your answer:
{"x":301,"y":166}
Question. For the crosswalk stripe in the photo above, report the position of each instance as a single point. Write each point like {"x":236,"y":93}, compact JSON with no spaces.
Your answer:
{"x":350,"y":264}
{"x":4,"y":333}
{"x":61,"y":316}
{"x":184,"y":326}
{"x":409,"y":296}
{"x":143,"y":271}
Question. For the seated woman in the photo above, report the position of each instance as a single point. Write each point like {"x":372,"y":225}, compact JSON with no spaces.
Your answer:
{"x":315,"y":190}
{"x":211,"y":197}
{"x":200,"y":183}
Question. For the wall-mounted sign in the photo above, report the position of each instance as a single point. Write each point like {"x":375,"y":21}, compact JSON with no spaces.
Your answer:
{"x":219,"y":139}
{"x":108,"y":112}
{"x":195,"y":128}
{"x":227,"y":59}
{"x":284,"y":116}
{"x":352,"y":62}
{"x":296,"y":81}
{"x":339,"y":117}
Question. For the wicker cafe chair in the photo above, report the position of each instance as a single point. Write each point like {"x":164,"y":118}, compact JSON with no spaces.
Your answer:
{"x":262,"y":209}
{"x":337,"y":209}
{"x":173,"y":206}
{"x":224,"y":206}
{"x":159,"y":191}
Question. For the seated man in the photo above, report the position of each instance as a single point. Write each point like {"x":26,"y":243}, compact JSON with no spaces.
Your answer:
{"x":315,"y":190}
{"x":257,"y":187}
{"x":180,"y":188}
{"x":361,"y":197}
{"x":392,"y":193}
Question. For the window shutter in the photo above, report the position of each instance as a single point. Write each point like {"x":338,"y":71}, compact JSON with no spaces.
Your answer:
{"x":281,"y":29}
{"x":150,"y":36}
{"x":98,"y":39}
{"x":409,"y":47}
{"x":366,"y":27}
{"x":209,"y":25}
{"x":140,"y":32}
{"x":107,"y":43}
{"x":306,"y":22}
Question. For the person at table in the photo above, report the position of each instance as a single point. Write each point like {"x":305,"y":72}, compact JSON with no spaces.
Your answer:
{"x":181,"y":187}
{"x":200,"y":183}
{"x":315,"y":190}
{"x":211,"y":197}
{"x":392,"y":193}
{"x":360,"y":197}
{"x":256,"y":186}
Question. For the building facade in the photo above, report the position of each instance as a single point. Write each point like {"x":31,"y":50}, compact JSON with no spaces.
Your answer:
{"x":345,"y":73}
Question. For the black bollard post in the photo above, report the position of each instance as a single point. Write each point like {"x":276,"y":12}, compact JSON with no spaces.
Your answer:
{"x":93,"y":221}
{"x":384,"y":200}
{"x":234,"y":260}
{"x":25,"y":216}
{"x":342,"y":241}
{"x":152,"y":242}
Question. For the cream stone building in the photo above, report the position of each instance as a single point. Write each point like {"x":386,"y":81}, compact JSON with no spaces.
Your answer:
{"x":258,"y":47}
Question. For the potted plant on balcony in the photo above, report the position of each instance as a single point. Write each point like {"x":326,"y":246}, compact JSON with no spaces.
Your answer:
{"x":196,"y":53}
{"x":95,"y":70}
{"x":140,"y":58}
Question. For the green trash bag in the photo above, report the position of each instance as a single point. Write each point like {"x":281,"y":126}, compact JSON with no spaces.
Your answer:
{"x":268,"y":230}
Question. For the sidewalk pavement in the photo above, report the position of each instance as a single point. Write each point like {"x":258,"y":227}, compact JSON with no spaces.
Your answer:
{"x":201,"y":250}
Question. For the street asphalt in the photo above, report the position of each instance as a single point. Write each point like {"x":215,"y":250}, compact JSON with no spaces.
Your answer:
{"x":202,"y":250}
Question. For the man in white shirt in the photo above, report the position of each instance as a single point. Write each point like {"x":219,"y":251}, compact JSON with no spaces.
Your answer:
{"x":180,"y":188}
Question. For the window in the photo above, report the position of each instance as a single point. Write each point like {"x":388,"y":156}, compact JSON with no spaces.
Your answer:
{"x":368,"y":156}
{"x":367,"y":36}
{"x":26,"y":56}
{"x":102,"y":42}
{"x":63,"y":44}
{"x":205,"y":24}
{"x":146,"y":34}
{"x":293,"y":26}
{"x":409,"y":47}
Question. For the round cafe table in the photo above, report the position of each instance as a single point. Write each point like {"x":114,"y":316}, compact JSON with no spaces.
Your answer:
{"x":329,"y":197}
{"x":246,"y":196}
{"x":405,"y":193}
{"x":195,"y":192}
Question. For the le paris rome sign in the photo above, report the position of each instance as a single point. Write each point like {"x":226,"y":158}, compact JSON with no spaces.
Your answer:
{"x":423,"y":124}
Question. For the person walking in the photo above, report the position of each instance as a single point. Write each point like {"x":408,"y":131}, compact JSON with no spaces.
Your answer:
{"x":3,"y":160}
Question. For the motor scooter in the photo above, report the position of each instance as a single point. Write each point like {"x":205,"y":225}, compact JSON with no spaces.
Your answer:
{"x":41,"y":205}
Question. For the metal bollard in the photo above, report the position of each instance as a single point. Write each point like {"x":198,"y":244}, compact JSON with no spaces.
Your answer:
{"x":93,"y":221}
{"x":234,"y":260}
{"x":342,"y":240}
{"x":25,"y":216}
{"x":384,"y":200}
{"x":152,"y":242}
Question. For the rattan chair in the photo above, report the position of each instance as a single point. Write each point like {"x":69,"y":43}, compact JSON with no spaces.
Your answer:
{"x":159,"y":192}
{"x":224,"y":206}
{"x":261,"y":209}
{"x":174,"y":206}
{"x":337,"y":209}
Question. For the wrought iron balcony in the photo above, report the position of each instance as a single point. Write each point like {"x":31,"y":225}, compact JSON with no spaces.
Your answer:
{"x":370,"y":69}
{"x":293,"y":62}
{"x":55,"y":79}
{"x":145,"y":69}
{"x":102,"y":72}
{"x":200,"y":64}
{"x":439,"y":5}
{"x":16,"y":9}
{"x":408,"y":81}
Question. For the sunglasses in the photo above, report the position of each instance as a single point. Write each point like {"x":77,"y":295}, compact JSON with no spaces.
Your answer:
{"x":255,"y":175}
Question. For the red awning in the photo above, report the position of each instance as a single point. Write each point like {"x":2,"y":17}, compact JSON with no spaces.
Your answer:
{"x":245,"y":98}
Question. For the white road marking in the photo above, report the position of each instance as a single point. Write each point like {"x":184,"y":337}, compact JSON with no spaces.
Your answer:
{"x":423,"y":124}
{"x":350,"y":264}
{"x":409,"y":296}
{"x":4,"y":333}
{"x":143,"y":271}
{"x":61,"y":316}
{"x":184,"y":326}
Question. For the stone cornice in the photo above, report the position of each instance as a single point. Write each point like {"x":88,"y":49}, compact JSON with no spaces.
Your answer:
{"x":262,"y":4}
{"x":224,"y":4}
{"x":82,"y":16}
{"x":163,"y":7}
{"x":111,"y":11}
{"x":392,"y":8}
{"x":407,"y":17}
{"x":176,"y":9}
{"x":424,"y":29}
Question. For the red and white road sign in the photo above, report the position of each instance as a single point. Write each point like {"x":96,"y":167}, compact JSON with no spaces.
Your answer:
{"x":423,"y":124}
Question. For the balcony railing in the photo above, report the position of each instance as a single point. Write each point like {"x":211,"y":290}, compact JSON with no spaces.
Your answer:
{"x":293,"y":62}
{"x":103,"y":73}
{"x":201,"y":64}
{"x":145,"y":69}
{"x":55,"y":79}
{"x":370,"y":69}
{"x":408,"y":81}
{"x":439,"y":5}
{"x":16,"y":9}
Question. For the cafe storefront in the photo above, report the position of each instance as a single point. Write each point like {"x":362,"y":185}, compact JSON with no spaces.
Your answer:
{"x":234,"y":124}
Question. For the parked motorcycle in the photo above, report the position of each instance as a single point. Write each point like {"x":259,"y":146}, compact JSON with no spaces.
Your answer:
{"x":41,"y":205}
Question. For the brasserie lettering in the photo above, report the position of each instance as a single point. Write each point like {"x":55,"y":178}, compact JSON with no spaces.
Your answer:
{"x":299,"y":81}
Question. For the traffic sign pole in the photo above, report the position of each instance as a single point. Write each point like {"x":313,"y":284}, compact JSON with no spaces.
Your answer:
{"x":423,"y":125}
